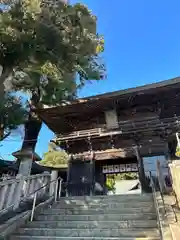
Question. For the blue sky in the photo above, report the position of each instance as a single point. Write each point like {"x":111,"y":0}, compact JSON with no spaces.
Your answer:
{"x":142,"y":46}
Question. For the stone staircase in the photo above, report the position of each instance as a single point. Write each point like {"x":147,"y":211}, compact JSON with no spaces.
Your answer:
{"x":118,"y":217}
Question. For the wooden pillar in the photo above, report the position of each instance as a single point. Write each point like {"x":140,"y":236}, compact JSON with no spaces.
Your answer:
{"x":169,"y":161}
{"x":142,"y":176}
{"x":89,"y":145}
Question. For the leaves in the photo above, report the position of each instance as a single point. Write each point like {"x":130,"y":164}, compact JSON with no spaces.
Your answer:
{"x":12,"y":114}
{"x":55,"y":159}
{"x":177,"y":153}
{"x":48,"y":49}
{"x":51,"y":40}
{"x":16,"y":37}
{"x":110,"y":183}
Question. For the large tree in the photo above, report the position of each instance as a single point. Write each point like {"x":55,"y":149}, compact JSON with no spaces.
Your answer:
{"x":49,"y":50}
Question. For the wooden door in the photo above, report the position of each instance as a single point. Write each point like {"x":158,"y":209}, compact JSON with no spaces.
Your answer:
{"x":80,"y":180}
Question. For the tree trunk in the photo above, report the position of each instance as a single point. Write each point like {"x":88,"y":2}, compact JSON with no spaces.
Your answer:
{"x":33,"y":124}
{"x":32,"y":129}
{"x":4,"y":75}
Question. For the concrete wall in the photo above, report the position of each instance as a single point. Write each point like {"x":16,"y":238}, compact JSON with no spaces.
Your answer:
{"x":175,"y":174}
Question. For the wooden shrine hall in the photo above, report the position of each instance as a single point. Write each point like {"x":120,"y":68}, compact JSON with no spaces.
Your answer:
{"x":120,"y":128}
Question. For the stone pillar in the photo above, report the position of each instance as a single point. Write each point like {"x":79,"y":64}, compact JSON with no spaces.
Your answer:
{"x":142,"y":176}
{"x":54,"y":176}
{"x":18,"y":192}
{"x":26,"y":158}
{"x":4,"y":191}
{"x":10,"y":198}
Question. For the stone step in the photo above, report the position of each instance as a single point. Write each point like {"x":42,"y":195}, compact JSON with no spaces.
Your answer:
{"x":105,"y":205}
{"x":52,"y":211}
{"x":109,"y":198}
{"x":133,"y":232}
{"x":97,"y":217}
{"x":25,"y":237}
{"x":94,"y":224}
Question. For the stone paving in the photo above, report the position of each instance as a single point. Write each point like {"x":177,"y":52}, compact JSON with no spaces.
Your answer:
{"x":173,"y":216}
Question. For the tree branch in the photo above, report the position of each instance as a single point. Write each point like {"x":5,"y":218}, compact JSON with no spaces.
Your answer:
{"x":5,"y":136}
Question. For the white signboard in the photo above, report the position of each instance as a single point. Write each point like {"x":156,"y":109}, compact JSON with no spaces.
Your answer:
{"x":116,"y":168}
{"x":134,"y":167}
{"x":110,"y":169}
{"x":105,"y":170}
{"x":128,"y":167}
{"x":122,"y":168}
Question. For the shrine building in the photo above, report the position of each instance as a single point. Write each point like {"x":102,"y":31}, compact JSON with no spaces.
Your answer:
{"x":120,"y":128}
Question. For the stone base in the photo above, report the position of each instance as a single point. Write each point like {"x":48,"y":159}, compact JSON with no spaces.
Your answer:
{"x":25,"y":167}
{"x":26,"y":158}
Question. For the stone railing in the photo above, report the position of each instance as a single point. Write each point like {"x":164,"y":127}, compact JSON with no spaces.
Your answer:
{"x":14,"y":190}
{"x":175,"y":174}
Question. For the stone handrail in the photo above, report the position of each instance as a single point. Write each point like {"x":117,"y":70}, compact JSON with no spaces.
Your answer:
{"x":13,"y":190}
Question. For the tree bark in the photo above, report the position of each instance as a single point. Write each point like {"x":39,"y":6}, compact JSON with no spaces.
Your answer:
{"x":32,"y":129}
{"x":33,"y":124}
{"x":4,"y":75}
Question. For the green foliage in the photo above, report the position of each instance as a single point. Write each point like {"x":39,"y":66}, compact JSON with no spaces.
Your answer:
{"x":112,"y":178}
{"x":12,"y":114}
{"x":124,"y":176}
{"x":110,"y":183}
{"x":177,"y":153}
{"x":127,"y":176}
{"x":48,"y":45}
{"x":16,"y":37}
{"x":45,"y":48}
{"x":55,"y":159}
